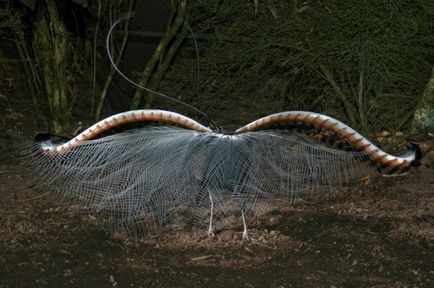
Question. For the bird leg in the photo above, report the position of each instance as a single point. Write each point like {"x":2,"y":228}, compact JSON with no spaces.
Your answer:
{"x":246,"y":236}
{"x":211,"y":228}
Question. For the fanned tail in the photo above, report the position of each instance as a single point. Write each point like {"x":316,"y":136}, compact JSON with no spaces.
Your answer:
{"x":151,"y":177}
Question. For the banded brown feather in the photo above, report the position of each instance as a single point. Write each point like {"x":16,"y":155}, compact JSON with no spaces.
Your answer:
{"x":339,"y":128}
{"x":144,"y":115}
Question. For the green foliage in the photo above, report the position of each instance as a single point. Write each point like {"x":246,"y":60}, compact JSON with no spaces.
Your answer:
{"x":31,"y":4}
{"x":423,"y":119}
{"x":83,"y":3}
{"x":366,"y":60}
{"x":56,"y":60}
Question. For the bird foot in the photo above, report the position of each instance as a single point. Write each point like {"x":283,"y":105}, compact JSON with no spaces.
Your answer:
{"x":247,"y":237}
{"x":211,"y":232}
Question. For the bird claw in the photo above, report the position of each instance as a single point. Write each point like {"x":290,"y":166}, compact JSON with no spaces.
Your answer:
{"x":211,"y":232}
{"x":247,"y":237}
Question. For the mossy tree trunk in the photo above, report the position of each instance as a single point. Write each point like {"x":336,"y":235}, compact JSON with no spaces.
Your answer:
{"x":53,"y":48}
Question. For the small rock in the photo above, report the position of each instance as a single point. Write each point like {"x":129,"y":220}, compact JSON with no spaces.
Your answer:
{"x":399,"y":134}
{"x":273,"y":220}
{"x":384,"y":133}
{"x":354,"y":263}
{"x":262,"y":239}
{"x":67,"y":273}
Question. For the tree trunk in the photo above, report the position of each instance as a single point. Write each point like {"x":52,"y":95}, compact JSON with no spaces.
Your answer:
{"x":51,"y":38}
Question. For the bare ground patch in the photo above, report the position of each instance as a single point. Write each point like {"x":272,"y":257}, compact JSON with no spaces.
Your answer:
{"x":377,"y":233}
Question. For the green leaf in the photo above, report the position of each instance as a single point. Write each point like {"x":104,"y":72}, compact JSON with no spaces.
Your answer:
{"x":83,"y":3}
{"x":29,"y":3}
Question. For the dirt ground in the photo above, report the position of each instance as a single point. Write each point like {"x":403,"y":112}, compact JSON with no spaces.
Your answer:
{"x":376,"y":233}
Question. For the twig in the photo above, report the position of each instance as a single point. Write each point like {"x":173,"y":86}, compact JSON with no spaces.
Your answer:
{"x":24,"y":187}
{"x":8,"y":171}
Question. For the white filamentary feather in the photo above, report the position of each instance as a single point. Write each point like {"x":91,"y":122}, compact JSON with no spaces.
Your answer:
{"x":150,"y":177}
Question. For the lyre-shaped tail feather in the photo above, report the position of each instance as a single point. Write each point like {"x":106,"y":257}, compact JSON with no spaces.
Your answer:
{"x":144,"y":115}
{"x":412,"y":156}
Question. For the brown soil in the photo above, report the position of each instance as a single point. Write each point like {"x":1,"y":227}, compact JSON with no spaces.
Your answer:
{"x":377,"y":233}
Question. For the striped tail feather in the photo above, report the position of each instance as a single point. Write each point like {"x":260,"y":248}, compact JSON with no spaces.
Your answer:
{"x":411,"y":157}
